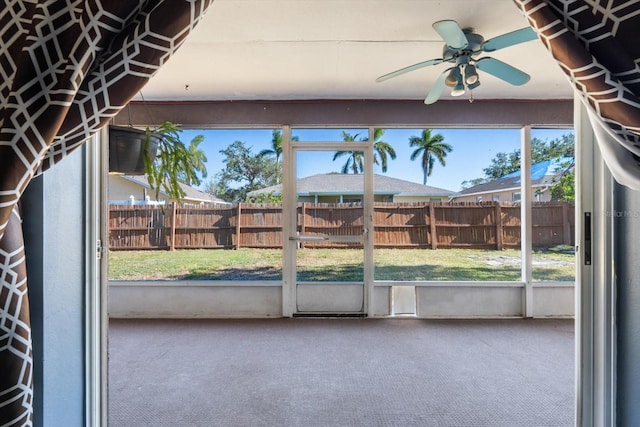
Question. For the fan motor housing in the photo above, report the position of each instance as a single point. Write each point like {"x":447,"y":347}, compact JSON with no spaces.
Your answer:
{"x":475,"y":43}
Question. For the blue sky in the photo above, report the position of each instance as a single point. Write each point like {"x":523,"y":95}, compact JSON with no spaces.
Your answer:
{"x":472,"y":151}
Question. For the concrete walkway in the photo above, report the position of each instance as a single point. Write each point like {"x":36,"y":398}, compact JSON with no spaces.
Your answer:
{"x":341,"y":372}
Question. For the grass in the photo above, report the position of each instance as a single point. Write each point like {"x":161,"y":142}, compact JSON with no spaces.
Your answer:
{"x":338,"y":264}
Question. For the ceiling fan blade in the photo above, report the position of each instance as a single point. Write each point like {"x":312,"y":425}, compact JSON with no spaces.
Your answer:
{"x":438,"y":87}
{"x":503,"y":71}
{"x":451,"y":33}
{"x":515,"y":37}
{"x":409,"y":68}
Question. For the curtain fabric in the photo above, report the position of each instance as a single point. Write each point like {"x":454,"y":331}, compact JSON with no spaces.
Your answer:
{"x":595,"y":42}
{"x":66,"y":68}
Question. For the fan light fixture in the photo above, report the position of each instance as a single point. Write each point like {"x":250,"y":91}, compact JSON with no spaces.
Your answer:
{"x":458,"y":90}
{"x":474,"y":85}
{"x":453,"y":78}
{"x":459,"y":85}
{"x":470,"y":74}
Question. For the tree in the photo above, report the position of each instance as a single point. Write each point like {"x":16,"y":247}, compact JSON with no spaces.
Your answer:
{"x":355,"y":162}
{"x":383,"y":150}
{"x":198,"y":160}
{"x":505,"y":163}
{"x":243,"y":172}
{"x":276,"y":149}
{"x":174,"y":163}
{"x":429,"y":148}
{"x":564,"y":187}
{"x":473,"y":182}
{"x":265,"y":198}
{"x":561,"y":150}
{"x":355,"y":159}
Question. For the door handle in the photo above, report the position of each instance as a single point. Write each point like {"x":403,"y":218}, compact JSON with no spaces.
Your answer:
{"x":325,"y":238}
{"x":308,"y":238}
{"x":587,"y":238}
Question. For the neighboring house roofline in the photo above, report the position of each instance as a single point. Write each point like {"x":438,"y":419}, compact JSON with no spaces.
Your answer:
{"x":192,"y":194}
{"x":325,"y":184}
{"x":407,"y":194}
{"x":335,"y":193}
{"x":500,"y":190}
{"x":542,"y":176}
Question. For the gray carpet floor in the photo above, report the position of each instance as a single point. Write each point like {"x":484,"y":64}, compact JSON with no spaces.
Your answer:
{"x":341,"y":372}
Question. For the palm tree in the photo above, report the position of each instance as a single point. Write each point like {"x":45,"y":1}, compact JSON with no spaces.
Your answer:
{"x":355,"y":162}
{"x":175,"y":162}
{"x":355,"y":159}
{"x":276,"y":149}
{"x":276,"y":146}
{"x":429,"y":148}
{"x":382,"y":149}
{"x":197,"y":159}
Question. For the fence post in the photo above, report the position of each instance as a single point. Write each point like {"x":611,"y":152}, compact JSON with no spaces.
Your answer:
{"x":172,"y":247}
{"x":302,"y":223}
{"x":566,"y":227}
{"x":239,"y":215}
{"x":432,"y":226}
{"x":499,"y":228}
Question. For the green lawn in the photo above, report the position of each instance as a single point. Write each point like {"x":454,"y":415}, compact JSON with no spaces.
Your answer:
{"x":337,"y":264}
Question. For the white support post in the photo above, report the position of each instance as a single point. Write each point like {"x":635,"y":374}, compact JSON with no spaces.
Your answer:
{"x":368,"y":226}
{"x":289,"y":247}
{"x":526,"y":232}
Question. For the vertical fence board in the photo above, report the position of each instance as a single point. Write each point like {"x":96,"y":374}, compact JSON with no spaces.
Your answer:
{"x":303,"y":228}
{"x":499,"y":232}
{"x":400,"y":225}
{"x":260,"y":225}
{"x":238,"y":225}
{"x":510,"y":225}
{"x":433,"y":226}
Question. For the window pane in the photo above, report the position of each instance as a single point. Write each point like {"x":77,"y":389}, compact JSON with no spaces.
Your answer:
{"x":449,"y":227}
{"x":219,"y":231}
{"x":553,"y":209}
{"x":329,"y":207}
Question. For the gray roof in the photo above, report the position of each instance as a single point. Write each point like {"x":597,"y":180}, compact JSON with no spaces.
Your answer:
{"x":542,"y":175}
{"x":191,"y":193}
{"x":338,"y":183}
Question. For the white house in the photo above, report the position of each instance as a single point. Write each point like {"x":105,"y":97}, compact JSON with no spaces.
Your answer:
{"x":128,"y":189}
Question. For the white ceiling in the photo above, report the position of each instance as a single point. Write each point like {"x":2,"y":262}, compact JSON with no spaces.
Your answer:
{"x":335,"y":49}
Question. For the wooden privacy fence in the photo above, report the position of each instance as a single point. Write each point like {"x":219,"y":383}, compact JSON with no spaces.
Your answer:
{"x":490,"y":225}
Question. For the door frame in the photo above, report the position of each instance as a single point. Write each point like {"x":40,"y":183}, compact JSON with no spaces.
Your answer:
{"x":289,"y":201}
{"x":596,"y":312}
{"x":96,"y":313}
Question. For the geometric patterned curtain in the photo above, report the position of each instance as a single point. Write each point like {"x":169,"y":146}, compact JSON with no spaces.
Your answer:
{"x":597,"y":45}
{"x":66,"y":68}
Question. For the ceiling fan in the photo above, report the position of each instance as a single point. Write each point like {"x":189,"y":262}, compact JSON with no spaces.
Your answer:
{"x":461,"y":48}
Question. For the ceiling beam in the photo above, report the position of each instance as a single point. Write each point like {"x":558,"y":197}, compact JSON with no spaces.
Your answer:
{"x":351,"y":113}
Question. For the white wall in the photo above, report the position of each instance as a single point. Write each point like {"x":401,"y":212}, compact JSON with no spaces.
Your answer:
{"x":122,"y":189}
{"x":194,"y":298}
{"x":219,"y":299}
{"x":469,"y":301}
{"x":626,"y":223}
{"x":54,"y":224}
